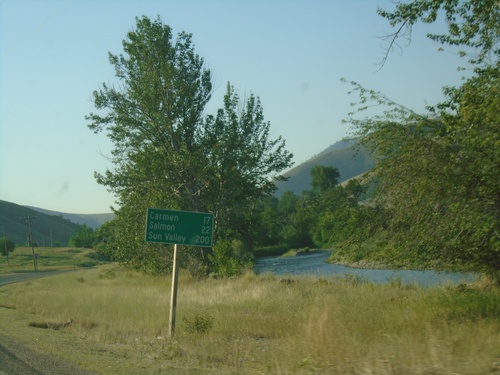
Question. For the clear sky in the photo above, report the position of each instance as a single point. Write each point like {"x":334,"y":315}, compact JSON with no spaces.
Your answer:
{"x":290,"y":53}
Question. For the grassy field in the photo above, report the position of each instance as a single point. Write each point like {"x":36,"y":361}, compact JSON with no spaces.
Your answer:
{"x":114,"y":321}
{"x":48,"y":259}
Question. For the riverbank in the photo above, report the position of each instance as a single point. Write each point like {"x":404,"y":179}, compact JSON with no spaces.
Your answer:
{"x":361,"y":264}
{"x":375,"y":265}
{"x":314,"y":263}
{"x":253,"y":324}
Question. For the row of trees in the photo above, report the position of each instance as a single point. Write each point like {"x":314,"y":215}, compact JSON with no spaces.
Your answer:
{"x":83,"y":237}
{"x":318,"y":217}
{"x":434,"y":196}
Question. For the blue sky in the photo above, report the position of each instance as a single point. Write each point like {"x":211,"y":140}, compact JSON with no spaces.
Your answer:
{"x":292,"y":54}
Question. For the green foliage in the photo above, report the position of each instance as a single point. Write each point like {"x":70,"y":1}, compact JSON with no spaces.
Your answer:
{"x":437,"y":173}
{"x":198,"y":323}
{"x":324,"y":215}
{"x":469,"y":305}
{"x":298,"y":220}
{"x":264,"y":223}
{"x":98,"y":257}
{"x":168,"y":153}
{"x":6,"y":246}
{"x":268,"y":251}
{"x":230,"y":258}
{"x":103,"y":240}
{"x":122,"y":240}
{"x":49,"y":258}
{"x":337,"y":222}
{"x":324,"y":178}
{"x":88,"y":264}
{"x":473,"y":24}
{"x":84,"y":237}
{"x":436,"y":176}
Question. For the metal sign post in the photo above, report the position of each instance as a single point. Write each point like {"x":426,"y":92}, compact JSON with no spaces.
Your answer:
{"x":178,"y":228}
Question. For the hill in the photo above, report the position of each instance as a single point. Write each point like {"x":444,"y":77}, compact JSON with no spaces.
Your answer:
{"x":343,"y":155}
{"x":48,"y":230}
{"x":51,"y":227}
{"x":91,"y":220}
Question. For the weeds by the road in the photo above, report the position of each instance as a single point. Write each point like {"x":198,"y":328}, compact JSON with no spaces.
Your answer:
{"x":257,"y":324}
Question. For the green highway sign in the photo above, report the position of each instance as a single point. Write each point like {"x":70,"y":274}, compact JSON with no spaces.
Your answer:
{"x":179,"y":227}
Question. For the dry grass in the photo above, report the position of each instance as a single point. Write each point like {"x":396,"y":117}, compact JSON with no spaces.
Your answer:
{"x":259,"y":325}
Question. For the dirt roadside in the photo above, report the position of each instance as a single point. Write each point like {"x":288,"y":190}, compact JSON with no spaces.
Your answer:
{"x":17,"y":358}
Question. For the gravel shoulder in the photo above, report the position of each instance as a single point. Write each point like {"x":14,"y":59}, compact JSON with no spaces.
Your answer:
{"x":16,"y":355}
{"x":17,"y":358}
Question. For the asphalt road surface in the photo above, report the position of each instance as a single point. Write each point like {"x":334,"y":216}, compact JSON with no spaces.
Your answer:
{"x":18,"y":277}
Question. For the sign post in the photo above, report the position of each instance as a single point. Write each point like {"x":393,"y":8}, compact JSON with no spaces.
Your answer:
{"x":178,"y":228}
{"x":173,"y":296}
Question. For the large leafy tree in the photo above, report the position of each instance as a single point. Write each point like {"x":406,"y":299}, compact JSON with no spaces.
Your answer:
{"x":437,"y":174}
{"x":241,"y":161}
{"x":167,"y":152}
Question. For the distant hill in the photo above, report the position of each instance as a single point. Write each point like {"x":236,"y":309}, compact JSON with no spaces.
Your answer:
{"x":91,"y":220}
{"x":47,"y":229}
{"x":349,"y":160}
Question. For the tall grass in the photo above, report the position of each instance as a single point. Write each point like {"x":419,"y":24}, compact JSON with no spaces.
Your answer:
{"x":259,"y":324}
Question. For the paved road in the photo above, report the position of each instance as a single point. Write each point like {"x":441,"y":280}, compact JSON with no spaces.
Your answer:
{"x":18,"y":277}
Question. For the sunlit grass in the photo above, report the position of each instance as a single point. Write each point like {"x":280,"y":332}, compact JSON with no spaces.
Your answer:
{"x":260,"y":324}
{"x":48,"y":259}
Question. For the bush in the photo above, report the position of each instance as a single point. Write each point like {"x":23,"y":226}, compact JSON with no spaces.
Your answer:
{"x":268,"y":251}
{"x":98,"y":256}
{"x":87,"y":264}
{"x":6,"y":246}
{"x":229,"y":258}
{"x":198,"y":323}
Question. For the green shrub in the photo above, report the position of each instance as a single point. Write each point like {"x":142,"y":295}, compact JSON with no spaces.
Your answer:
{"x":6,"y":245}
{"x":229,"y":258}
{"x":99,"y":257}
{"x":269,"y":251}
{"x":109,"y":274}
{"x":87,"y":264}
{"x":198,"y":323}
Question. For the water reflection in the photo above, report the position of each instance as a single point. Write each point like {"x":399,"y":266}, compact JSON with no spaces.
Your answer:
{"x":314,"y":264}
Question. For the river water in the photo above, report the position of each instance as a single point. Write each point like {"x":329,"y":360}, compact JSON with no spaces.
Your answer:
{"x":314,"y":264}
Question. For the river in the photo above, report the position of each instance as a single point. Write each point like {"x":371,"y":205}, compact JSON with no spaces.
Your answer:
{"x":314,"y":264}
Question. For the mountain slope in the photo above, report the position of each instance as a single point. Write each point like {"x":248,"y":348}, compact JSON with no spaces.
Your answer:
{"x":349,"y":160}
{"x":47,"y":229}
{"x":91,"y":220}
